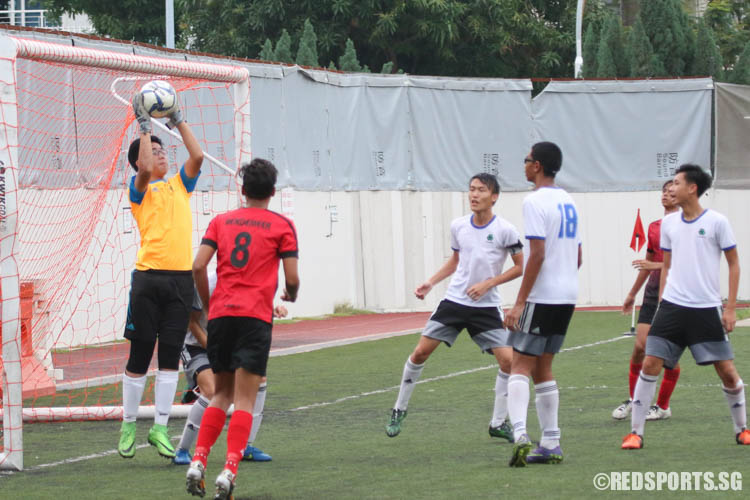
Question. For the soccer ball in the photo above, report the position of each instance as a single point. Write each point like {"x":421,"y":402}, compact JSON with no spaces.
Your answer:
{"x":159,"y":98}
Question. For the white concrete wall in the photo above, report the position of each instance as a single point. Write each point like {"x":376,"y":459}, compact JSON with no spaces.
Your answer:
{"x":380,"y":247}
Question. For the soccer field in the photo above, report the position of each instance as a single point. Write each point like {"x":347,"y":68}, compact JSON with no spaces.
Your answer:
{"x":326,"y":412}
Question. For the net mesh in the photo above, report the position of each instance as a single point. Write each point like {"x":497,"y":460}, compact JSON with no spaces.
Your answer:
{"x":76,"y":241}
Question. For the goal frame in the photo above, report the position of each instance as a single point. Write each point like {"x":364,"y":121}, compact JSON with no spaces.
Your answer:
{"x":12,"y":48}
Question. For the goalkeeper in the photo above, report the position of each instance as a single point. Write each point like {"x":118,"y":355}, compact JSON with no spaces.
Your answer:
{"x":161,"y":293}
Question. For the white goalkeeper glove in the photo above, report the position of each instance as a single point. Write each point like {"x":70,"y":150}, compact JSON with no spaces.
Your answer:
{"x":144,"y":119}
{"x":176,"y":117}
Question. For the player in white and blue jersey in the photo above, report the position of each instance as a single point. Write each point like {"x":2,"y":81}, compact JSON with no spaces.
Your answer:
{"x":545,"y":303}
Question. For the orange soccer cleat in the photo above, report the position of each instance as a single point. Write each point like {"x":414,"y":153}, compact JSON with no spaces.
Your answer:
{"x":634,"y":442}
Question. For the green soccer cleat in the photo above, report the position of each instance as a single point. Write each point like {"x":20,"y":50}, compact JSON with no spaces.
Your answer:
{"x":394,"y":427}
{"x":126,"y":446}
{"x":157,"y":436}
{"x":502,"y":431}
{"x":520,"y":451}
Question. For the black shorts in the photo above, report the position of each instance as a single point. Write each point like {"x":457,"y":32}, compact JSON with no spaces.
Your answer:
{"x":648,"y":310}
{"x":676,"y":327}
{"x":160,"y":304}
{"x":484,"y":324}
{"x":239,"y":342}
{"x":542,"y":328}
{"x":194,"y":361}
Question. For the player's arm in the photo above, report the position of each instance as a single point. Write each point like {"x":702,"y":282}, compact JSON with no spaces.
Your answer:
{"x":729,"y":316}
{"x":196,"y":329}
{"x":533,"y":266}
{"x":477,"y":290}
{"x":448,"y":268}
{"x":195,"y":159}
{"x":291,"y":278}
{"x":664,"y":271}
{"x":640,"y":279}
{"x":145,"y":157}
{"x":200,"y":271}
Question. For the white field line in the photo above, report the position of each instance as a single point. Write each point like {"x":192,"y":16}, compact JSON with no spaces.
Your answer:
{"x":318,"y":405}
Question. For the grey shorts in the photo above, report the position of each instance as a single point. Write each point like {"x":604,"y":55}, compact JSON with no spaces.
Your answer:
{"x":194,"y":361}
{"x":676,"y":327}
{"x":542,"y":328}
{"x":484,"y":324}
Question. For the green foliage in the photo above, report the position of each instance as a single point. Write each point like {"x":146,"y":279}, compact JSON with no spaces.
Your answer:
{"x":663,"y":23}
{"x":387,"y":68}
{"x":741,"y":72}
{"x":590,"y":48}
{"x":611,"y":60}
{"x":283,"y":52}
{"x":266,"y":53}
{"x":332,"y":66}
{"x":605,"y":61}
{"x":307,"y":53}
{"x":707,"y":54}
{"x":730,"y":21}
{"x":640,"y":54}
{"x":348,"y":61}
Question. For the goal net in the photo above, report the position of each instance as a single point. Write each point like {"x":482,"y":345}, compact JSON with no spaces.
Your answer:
{"x":67,"y":237}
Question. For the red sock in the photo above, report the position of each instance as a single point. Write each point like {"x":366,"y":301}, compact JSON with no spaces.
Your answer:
{"x":667,"y":387}
{"x":237,"y":434}
{"x":635,"y":370}
{"x":211,"y":425}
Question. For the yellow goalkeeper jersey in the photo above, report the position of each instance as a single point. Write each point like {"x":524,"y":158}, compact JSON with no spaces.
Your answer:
{"x":165,"y":223}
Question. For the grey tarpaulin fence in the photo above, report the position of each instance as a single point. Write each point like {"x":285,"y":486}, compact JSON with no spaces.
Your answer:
{"x":732,"y":135}
{"x":333,"y":131}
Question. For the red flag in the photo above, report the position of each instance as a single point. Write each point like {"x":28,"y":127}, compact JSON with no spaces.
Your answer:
{"x":639,"y":235}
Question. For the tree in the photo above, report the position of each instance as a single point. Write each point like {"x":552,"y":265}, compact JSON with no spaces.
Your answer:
{"x":387,"y":68}
{"x":348,"y":61}
{"x":612,"y":37}
{"x":605,"y":61}
{"x":590,"y":48}
{"x":661,"y":20}
{"x":307,"y":53}
{"x":640,"y":53}
{"x":730,"y":21}
{"x":283,"y":52}
{"x":707,"y":54}
{"x":741,"y":72}
{"x":266,"y":53}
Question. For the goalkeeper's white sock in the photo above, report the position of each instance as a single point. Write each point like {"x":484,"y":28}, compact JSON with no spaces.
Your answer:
{"x":500,"y":410}
{"x":164,"y":391}
{"x":736,"y":400}
{"x":260,"y":402}
{"x":132,"y":391}
{"x":193,"y":423}
{"x":408,"y":382}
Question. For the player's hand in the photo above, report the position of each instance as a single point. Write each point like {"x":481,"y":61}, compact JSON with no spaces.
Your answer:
{"x":287,"y":297}
{"x":511,"y":319}
{"x":475,"y":292}
{"x":144,"y":119}
{"x":729,"y":319}
{"x":175,"y":118}
{"x":646,"y":265}
{"x":627,"y":306}
{"x":280,"y":311}
{"x":423,"y":290}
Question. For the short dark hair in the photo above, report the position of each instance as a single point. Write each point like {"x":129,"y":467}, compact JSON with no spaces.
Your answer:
{"x":549,"y":156}
{"x":135,"y":146}
{"x":258,"y":179}
{"x":695,"y":175}
{"x":670,"y":181}
{"x":488,"y":180}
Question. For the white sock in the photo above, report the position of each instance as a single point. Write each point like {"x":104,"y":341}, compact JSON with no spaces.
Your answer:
{"x":193,"y":423}
{"x":500,"y":411}
{"x":132,"y":392}
{"x":518,"y":403}
{"x":547,"y":402}
{"x":408,"y":381}
{"x":736,"y":399}
{"x":642,"y":397}
{"x":260,"y":402}
{"x":164,"y":391}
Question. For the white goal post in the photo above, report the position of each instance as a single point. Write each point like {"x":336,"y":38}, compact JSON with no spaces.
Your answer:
{"x":13,"y":413}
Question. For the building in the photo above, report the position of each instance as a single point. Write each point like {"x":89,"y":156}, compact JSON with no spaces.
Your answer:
{"x":31,"y":13}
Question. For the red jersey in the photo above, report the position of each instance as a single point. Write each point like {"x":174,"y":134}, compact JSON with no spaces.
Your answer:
{"x":654,"y":248}
{"x":249,"y":243}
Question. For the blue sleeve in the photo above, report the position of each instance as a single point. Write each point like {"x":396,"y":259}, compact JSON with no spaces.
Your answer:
{"x":188,"y":182}
{"x":135,"y":195}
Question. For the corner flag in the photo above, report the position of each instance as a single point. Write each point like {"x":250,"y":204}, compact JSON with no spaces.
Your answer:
{"x":639,"y":235}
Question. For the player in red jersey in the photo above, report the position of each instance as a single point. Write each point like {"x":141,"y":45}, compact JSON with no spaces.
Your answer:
{"x":249,"y":243}
{"x":650,"y":269}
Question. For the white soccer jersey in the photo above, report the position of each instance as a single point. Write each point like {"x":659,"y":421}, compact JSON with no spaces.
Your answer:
{"x":198,"y":306}
{"x":550,"y":214}
{"x":696,"y":246}
{"x":482,"y":251}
